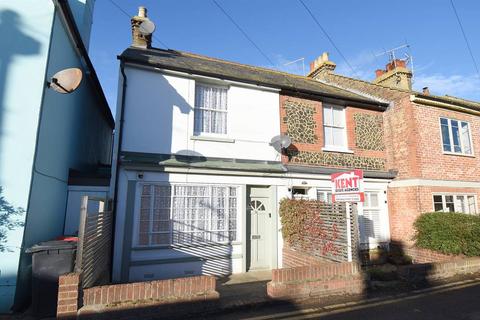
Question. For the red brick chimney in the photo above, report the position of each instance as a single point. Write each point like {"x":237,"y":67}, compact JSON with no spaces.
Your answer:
{"x":396,"y":75}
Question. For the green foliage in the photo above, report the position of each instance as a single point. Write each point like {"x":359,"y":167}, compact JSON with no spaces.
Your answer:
{"x":293,"y":215}
{"x":449,"y":233}
{"x":8,"y":221}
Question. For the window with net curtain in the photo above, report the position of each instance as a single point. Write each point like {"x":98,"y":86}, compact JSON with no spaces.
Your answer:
{"x":210,"y":109}
{"x":187,"y":214}
{"x":334,"y":127}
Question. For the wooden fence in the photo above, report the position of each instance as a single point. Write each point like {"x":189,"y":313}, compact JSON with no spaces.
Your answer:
{"x":93,"y":259}
{"x":330,"y":232}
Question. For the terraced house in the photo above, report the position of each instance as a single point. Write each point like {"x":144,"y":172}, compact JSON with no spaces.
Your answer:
{"x":197,"y":180}
{"x":432,"y":143}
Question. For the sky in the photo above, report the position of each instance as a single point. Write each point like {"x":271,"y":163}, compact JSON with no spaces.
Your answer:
{"x":284,"y":31}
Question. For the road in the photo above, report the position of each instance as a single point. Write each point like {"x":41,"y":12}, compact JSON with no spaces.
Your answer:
{"x":461,"y":302}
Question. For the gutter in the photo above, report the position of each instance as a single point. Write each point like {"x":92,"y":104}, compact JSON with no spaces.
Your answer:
{"x":74,"y":35}
{"x":435,"y":103}
{"x":258,"y":83}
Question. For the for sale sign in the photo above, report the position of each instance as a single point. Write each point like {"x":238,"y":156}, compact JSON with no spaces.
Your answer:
{"x":347,"y":186}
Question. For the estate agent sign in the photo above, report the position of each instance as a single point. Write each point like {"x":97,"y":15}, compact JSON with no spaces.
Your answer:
{"x":347,"y":186}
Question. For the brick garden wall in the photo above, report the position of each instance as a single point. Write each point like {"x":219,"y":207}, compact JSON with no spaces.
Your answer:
{"x":158,"y":292}
{"x":420,"y":255}
{"x":316,"y":281}
{"x":68,"y":296}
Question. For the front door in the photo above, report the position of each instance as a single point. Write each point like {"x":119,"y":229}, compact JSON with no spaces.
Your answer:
{"x":373,"y":221}
{"x":259,"y":217}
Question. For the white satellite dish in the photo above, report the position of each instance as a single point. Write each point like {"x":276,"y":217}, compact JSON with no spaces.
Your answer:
{"x":66,"y":81}
{"x":147,"y":27}
{"x":281,"y":142}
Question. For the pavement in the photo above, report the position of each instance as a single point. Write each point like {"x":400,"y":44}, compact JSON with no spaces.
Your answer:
{"x":459,"y":300}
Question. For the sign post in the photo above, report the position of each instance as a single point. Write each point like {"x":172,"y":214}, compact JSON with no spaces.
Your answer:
{"x":348,"y":187}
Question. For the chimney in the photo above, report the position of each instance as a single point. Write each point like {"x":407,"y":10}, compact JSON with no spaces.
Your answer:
{"x":321,"y":67}
{"x":426,"y":91}
{"x":396,"y":75}
{"x":139,"y":39}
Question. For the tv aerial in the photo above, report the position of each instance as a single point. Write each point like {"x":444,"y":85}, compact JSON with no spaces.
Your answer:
{"x":281,"y":142}
{"x":147,"y":27}
{"x":66,"y":81}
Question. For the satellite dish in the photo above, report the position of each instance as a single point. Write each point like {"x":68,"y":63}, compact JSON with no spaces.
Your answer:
{"x":281,"y":142}
{"x":147,"y":27}
{"x":66,"y":81}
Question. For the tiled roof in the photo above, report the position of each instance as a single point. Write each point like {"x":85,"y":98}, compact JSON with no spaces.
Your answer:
{"x":202,"y":65}
{"x":383,"y":92}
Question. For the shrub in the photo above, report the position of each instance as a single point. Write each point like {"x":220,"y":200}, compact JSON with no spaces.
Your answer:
{"x":294,"y":214}
{"x":449,"y":233}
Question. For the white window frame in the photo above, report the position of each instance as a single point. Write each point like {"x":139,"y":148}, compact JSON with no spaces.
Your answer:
{"x":450,"y":137}
{"x":137,"y":212}
{"x":325,"y":193}
{"x":195,"y":108}
{"x":454,"y":195}
{"x":337,"y":148}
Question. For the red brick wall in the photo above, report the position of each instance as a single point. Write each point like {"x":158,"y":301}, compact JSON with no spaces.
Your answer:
{"x":420,"y":255}
{"x":433,"y":163}
{"x":316,"y":281}
{"x":414,"y":143}
{"x":68,"y":295}
{"x":160,"y":291}
{"x":294,"y":258}
{"x":401,"y":138}
{"x":318,"y":117}
{"x":190,"y":289}
{"x":405,"y":204}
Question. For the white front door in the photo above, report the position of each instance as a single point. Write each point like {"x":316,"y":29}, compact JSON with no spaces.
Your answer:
{"x":373,"y":220}
{"x":259,"y":214}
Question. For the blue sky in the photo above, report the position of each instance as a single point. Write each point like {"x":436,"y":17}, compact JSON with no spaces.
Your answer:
{"x":285,"y":32}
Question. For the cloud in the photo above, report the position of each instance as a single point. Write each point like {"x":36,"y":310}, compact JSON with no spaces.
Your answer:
{"x":463,"y":86}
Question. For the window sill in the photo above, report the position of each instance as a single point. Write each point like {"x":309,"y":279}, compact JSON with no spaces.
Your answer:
{"x":177,"y":246}
{"x":327,"y":149}
{"x":458,"y":154}
{"x":213,"y":139}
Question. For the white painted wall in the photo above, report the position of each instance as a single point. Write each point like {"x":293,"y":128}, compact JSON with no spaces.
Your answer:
{"x":283,"y":183}
{"x":159,"y":118}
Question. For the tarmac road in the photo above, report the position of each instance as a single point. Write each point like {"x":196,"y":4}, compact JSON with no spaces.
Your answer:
{"x":460,"y":302}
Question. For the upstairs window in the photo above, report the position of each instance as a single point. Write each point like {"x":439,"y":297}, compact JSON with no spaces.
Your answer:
{"x":210,"y":109}
{"x":455,"y":203}
{"x":456,"y":136}
{"x":334,"y":127}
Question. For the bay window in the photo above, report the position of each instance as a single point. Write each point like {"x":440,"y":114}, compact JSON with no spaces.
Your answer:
{"x":187,"y":214}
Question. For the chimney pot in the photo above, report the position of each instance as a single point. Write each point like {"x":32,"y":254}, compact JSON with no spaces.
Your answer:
{"x":142,"y":12}
{"x":379,"y":72}
{"x":426,"y":91}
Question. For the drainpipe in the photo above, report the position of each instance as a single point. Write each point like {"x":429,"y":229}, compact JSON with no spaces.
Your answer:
{"x":117,"y":160}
